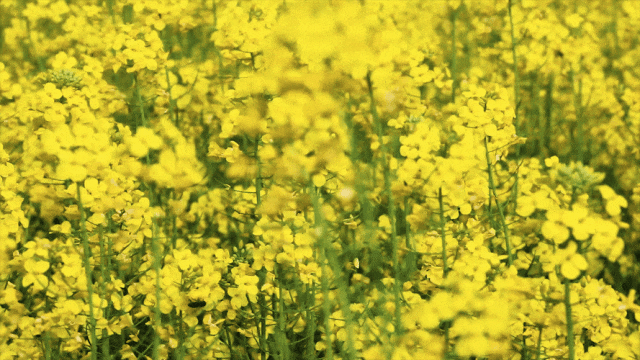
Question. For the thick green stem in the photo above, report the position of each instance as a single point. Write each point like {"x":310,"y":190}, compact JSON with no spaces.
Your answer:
{"x":87,"y":268}
{"x":454,"y":55}
{"x":567,"y":306}
{"x":363,"y":176}
{"x":106,"y":279}
{"x":172,"y":113}
{"x":310,"y":350}
{"x":280,"y":333}
{"x":157,"y":257}
{"x":140,"y":103}
{"x":548,"y":108}
{"x":262,"y":326}
{"x":110,"y":4}
{"x":328,"y":255}
{"x":539,"y":347}
{"x":391,"y":207}
{"x":445,"y":268}
{"x":579,"y":148}
{"x":516,"y":98}
{"x":326,"y":309}
{"x":516,"y":88}
{"x":258,"y":173}
{"x":492,"y":189}
{"x":410,"y":258}
{"x":177,"y":322}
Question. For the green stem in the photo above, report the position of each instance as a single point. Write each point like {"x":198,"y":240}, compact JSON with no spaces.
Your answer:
{"x":516,"y":75}
{"x":328,"y":255}
{"x":539,"y":347}
{"x":408,"y":239}
{"x":614,"y":30}
{"x":445,"y":268}
{"x":87,"y":268}
{"x":172,"y":113}
{"x":258,"y":172}
{"x":110,"y":4}
{"x":396,"y":257}
{"x":454,"y":54}
{"x":324,"y":281}
{"x":362,"y":178}
{"x":311,"y":322}
{"x":262,"y":330}
{"x":492,"y":189}
{"x":174,"y":225}
{"x":280,"y":334}
{"x":262,"y":326}
{"x":326,"y":305}
{"x":106,"y":279}
{"x":567,"y":306}
{"x":523,"y":354}
{"x":411,"y":257}
{"x":548,"y":108}
{"x":47,"y":345}
{"x":155,"y":248}
{"x":536,"y":114}
{"x":140,"y":103}
{"x":516,"y":90}
{"x":579,"y":133}
{"x":391,"y":209}
{"x":177,"y":320}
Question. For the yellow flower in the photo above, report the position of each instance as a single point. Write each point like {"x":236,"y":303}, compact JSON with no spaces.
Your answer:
{"x":614,"y":202}
{"x":318,"y":180}
{"x":526,"y":206}
{"x":137,"y":148}
{"x":571,"y":263}
{"x":574,"y":20}
{"x":552,"y":161}
{"x":35,"y":274}
{"x":553,"y":228}
{"x":74,"y":172}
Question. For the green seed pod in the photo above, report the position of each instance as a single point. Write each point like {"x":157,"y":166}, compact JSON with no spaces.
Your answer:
{"x":61,"y":78}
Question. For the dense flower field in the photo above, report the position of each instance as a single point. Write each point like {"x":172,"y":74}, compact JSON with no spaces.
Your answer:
{"x":278,"y":179}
